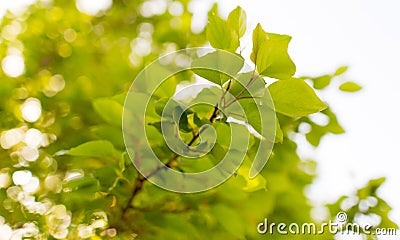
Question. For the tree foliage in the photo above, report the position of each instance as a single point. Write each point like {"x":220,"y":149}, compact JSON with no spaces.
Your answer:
{"x":64,"y":169}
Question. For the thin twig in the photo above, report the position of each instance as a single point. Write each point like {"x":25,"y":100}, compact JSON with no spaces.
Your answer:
{"x":140,"y":179}
{"x":251,"y":81}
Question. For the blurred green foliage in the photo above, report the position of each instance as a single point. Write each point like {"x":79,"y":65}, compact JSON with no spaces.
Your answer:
{"x":64,"y":171}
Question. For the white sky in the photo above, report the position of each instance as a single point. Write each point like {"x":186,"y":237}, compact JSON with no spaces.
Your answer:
{"x":365,"y":35}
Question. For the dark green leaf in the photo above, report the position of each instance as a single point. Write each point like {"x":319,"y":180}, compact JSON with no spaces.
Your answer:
{"x":106,"y":177}
{"x":181,"y":118}
{"x":109,"y":110}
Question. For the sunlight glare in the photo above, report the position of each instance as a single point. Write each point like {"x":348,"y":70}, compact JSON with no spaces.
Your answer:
{"x":93,"y":7}
{"x":21,"y":177}
{"x":13,"y":65}
{"x":31,"y":110}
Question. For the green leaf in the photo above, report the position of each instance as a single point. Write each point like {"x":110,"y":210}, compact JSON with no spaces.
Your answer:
{"x":106,"y":177}
{"x":120,"y":98}
{"x":82,"y":183}
{"x":256,"y":89}
{"x":253,"y":115}
{"x":98,"y":148}
{"x":322,"y":81}
{"x":252,"y":184}
{"x":255,"y":184}
{"x":315,"y":135}
{"x":197,"y":120}
{"x":273,"y":59}
{"x":160,"y":105}
{"x":237,"y":21}
{"x":218,"y":66}
{"x":110,"y":133}
{"x":317,"y":131}
{"x":279,"y":132}
{"x":340,"y":70}
{"x":371,"y":188}
{"x":157,"y":125}
{"x":223,"y":132}
{"x":295,"y":98}
{"x":350,"y":87}
{"x":220,"y":35}
{"x":180,"y":117}
{"x":333,"y":125}
{"x":175,"y":113}
{"x":259,"y":36}
{"x":230,"y":220}
{"x":109,"y":110}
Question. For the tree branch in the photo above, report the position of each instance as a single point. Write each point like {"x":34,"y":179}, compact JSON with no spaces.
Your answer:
{"x":140,"y":179}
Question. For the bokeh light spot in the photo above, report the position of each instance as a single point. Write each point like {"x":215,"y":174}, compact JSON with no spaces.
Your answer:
{"x":93,"y":7}
{"x":21,"y":177}
{"x":11,"y":138}
{"x":13,"y":65}
{"x":31,"y":110}
{"x":30,"y":154}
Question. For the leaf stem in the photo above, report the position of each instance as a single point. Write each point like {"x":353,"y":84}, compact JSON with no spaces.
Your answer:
{"x":237,"y":97}
{"x":140,"y":179}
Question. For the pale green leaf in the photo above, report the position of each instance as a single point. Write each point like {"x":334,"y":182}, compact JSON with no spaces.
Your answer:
{"x":340,"y":70}
{"x":237,"y":21}
{"x":120,"y":98}
{"x":253,"y":115}
{"x":278,"y":133}
{"x":333,"y":125}
{"x":241,"y":86}
{"x":220,"y":35}
{"x":295,"y":98}
{"x":322,"y":81}
{"x":97,"y":148}
{"x":252,"y":184}
{"x":85,"y":183}
{"x":350,"y":87}
{"x":259,"y":36}
{"x":273,"y":59}
{"x":109,"y":110}
{"x":315,"y":135}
